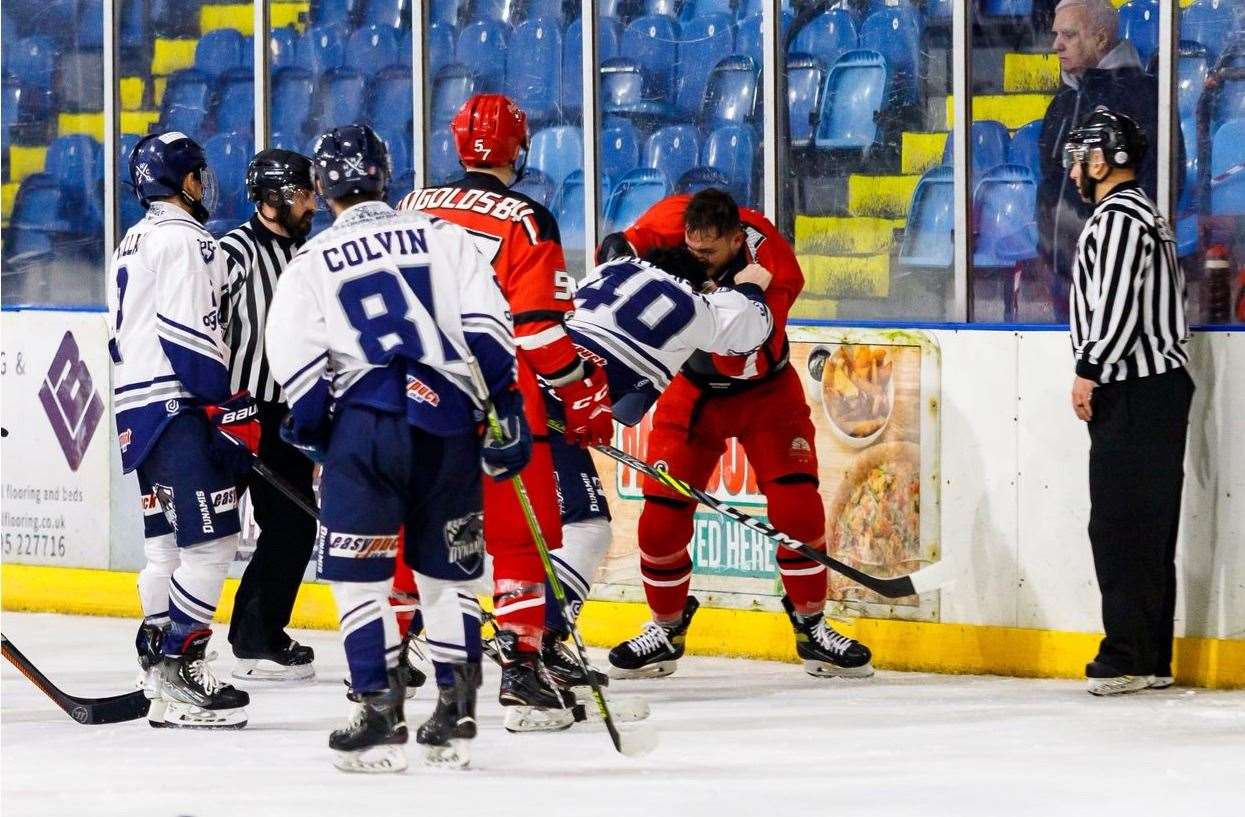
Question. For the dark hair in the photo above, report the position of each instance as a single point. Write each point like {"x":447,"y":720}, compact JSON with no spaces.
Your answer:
{"x":679,"y":262}
{"x":712,"y":209}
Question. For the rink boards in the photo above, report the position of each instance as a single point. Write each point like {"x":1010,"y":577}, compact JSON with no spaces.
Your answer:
{"x":981,"y":414}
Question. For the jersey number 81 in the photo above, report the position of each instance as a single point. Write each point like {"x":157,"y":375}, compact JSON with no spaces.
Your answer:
{"x":378,"y":309}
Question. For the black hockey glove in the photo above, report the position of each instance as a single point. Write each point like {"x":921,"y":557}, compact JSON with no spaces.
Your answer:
{"x":503,"y":459}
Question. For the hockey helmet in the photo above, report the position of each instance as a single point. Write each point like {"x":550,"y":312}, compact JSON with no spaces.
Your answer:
{"x":159,"y":163}
{"x":282,"y":171}
{"x":1123,"y":144}
{"x":489,"y":131}
{"x":350,"y":160}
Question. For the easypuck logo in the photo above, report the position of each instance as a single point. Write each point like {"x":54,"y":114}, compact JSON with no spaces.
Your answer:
{"x":225,"y":500}
{"x":353,"y":546}
{"x":69,"y":398}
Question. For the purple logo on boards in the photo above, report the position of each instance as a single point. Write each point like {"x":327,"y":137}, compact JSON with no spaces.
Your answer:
{"x":71,"y":402}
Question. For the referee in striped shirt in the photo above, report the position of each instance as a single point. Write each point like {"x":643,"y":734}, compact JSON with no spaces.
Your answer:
{"x":1132,"y":389}
{"x":279,"y":182}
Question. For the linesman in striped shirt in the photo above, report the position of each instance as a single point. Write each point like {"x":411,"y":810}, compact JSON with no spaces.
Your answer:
{"x":279,"y":182}
{"x":1129,"y":336}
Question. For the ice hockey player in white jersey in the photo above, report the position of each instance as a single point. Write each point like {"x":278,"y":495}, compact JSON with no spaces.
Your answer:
{"x":171,"y":395}
{"x":372,"y":334}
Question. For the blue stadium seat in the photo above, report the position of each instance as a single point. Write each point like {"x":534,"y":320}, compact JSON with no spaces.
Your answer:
{"x":452,"y":87}
{"x":446,"y":11}
{"x":732,"y":150}
{"x":323,"y":48}
{"x":753,"y":8}
{"x":228,"y":155}
{"x":37,"y":216}
{"x":88,"y":24}
{"x":1024,"y":148}
{"x":482,"y":47}
{"x":805,"y":77}
{"x":403,"y":183}
{"x":569,"y":211}
{"x":1208,"y":22}
{"x":1190,"y":77}
{"x":76,"y":163}
{"x":939,"y":11}
{"x":1227,"y":169}
{"x":545,"y":10}
{"x":342,"y":93}
{"x":674,"y":150}
{"x":399,"y":144}
{"x":235,"y":106}
{"x":827,"y":36}
{"x":1005,"y":217}
{"x":185,"y":103}
{"x":134,"y":29}
{"x":622,"y":89}
{"x":895,"y":33}
{"x":534,"y":69}
{"x":633,"y":195}
{"x":1007,"y":8}
{"x":557,"y":152}
{"x":537,"y":186}
{"x":371,"y":49}
{"x":731,"y":93}
{"x":286,"y":140}
{"x":931,"y":219}
{"x":701,"y":178}
{"x":330,"y":11}
{"x":1231,"y":104}
{"x":609,"y":33}
{"x":441,"y":41}
{"x":666,"y":8}
{"x":854,"y":94}
{"x":620,"y":150}
{"x":389,"y":101}
{"x":33,"y":61}
{"x":392,"y":13}
{"x":500,"y":11}
{"x":1139,"y":23}
{"x":221,"y":50}
{"x":990,"y":141}
{"x":283,"y":48}
{"x":443,"y":164}
{"x":699,"y":8}
{"x":703,"y":41}
{"x":293,"y":90}
{"x":11,"y":105}
{"x":748,"y":34}
{"x":652,"y":42}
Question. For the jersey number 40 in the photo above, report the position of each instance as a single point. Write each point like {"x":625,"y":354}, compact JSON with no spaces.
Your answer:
{"x":653,"y":314}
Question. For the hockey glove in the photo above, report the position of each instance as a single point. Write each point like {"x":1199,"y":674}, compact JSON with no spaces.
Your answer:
{"x":238,"y":419}
{"x":586,"y":403}
{"x":505,"y":458}
{"x":315,"y":446}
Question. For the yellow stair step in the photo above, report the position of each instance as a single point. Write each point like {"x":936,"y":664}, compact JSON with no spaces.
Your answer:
{"x":168,"y":56}
{"x":837,"y":235}
{"x":289,"y":14}
{"x":8,"y":194}
{"x":918,"y":152}
{"x":1030,"y":73}
{"x":25,"y":160}
{"x":139,"y":122}
{"x":812,"y":307}
{"x":132,"y":89}
{"x":1013,"y":110}
{"x":847,"y":276}
{"x":238,"y":16}
{"x":91,"y":124}
{"x":883,"y":196}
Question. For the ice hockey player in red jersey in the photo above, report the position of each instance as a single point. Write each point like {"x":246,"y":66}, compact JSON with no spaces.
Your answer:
{"x":756,"y":398}
{"x":520,"y":237}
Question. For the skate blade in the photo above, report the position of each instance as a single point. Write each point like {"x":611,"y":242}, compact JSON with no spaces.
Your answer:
{"x":178,"y":715}
{"x":454,"y":755}
{"x":155,"y":713}
{"x":637,"y":740}
{"x":822,"y":669}
{"x":530,"y":719}
{"x":658,"y":670}
{"x":261,"y":669}
{"x":624,"y":709}
{"x":384,"y":759}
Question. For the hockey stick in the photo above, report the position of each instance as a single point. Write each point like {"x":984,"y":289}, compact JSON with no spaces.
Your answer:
{"x":633,"y":743}
{"x":275,"y":480}
{"x":910,"y":585}
{"x":87,"y":711}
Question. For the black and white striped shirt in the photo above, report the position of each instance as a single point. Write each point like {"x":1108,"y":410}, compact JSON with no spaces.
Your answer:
{"x":1128,"y":292}
{"x":256,"y":257}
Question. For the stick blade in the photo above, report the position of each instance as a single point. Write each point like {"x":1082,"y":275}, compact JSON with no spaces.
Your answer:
{"x":637,"y":741}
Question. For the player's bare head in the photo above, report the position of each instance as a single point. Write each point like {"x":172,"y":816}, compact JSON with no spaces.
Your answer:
{"x":712,"y":229}
{"x":679,"y":262}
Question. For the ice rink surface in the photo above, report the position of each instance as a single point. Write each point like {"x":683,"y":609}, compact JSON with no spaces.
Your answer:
{"x":737,"y":738}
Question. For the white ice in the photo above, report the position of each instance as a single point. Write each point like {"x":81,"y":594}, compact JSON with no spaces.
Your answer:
{"x":737,"y":738}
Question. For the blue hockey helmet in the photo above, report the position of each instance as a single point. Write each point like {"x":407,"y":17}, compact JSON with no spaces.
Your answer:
{"x":350,"y":160}
{"x":158,"y":165}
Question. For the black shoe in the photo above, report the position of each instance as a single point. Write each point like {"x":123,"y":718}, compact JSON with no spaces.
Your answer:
{"x":453,"y":722}
{"x":524,"y":679}
{"x":655,"y":652}
{"x":827,"y":652}
{"x":563,"y":664}
{"x":193,"y":696}
{"x":371,"y":741}
{"x":293,"y":662}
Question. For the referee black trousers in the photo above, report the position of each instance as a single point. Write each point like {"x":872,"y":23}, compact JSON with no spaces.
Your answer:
{"x":1136,"y":475}
{"x":270,"y":583}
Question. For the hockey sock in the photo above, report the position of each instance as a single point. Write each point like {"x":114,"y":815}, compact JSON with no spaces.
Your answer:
{"x":583,"y":547}
{"x":153,"y":581}
{"x":520,"y":608}
{"x":406,"y":594}
{"x":795,"y":509}
{"x":369,"y":633}
{"x":194,"y":588}
{"x":452,"y":616}
{"x":665,"y":565}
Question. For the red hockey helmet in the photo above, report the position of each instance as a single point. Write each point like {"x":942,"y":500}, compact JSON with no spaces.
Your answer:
{"x":489,"y":131}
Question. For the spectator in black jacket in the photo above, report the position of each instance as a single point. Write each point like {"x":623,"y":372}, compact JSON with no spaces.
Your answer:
{"x":1097,"y":68}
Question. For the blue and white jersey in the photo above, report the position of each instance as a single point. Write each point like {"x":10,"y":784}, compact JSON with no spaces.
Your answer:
{"x":384,"y":309}
{"x":166,"y":289}
{"x":643,"y":324}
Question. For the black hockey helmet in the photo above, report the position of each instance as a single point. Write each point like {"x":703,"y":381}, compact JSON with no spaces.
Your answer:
{"x":351,"y":160}
{"x":279,"y":171}
{"x":1122,"y":142}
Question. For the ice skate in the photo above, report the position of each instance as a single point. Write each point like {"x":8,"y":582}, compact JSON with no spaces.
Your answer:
{"x":371,"y":743}
{"x":827,"y":653}
{"x":564,"y":668}
{"x":292,"y":663}
{"x":1103,"y":680}
{"x":446,"y":736}
{"x":149,"y":644}
{"x":533,"y":702}
{"x":655,"y":652}
{"x":193,"y":697}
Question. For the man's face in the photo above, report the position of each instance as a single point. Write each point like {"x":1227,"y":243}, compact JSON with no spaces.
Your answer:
{"x":1078,"y":47}
{"x":714,"y":249}
{"x":302,"y":210}
{"x":1095,"y":169}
